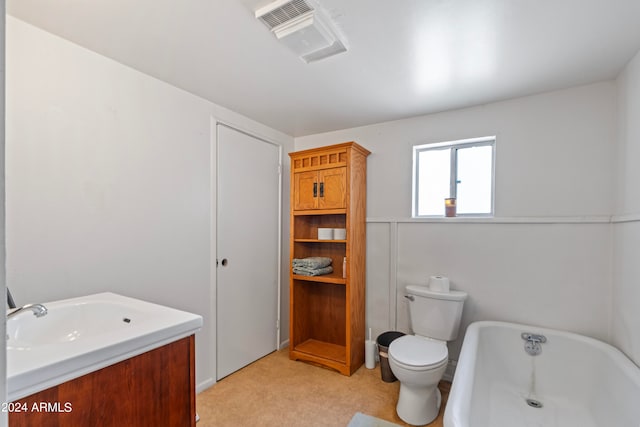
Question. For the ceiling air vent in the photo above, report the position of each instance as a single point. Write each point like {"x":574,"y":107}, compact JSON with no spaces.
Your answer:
{"x":302,"y":27}
{"x":284,"y":13}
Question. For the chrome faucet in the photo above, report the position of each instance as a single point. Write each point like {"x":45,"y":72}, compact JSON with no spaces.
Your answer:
{"x":533,"y":343}
{"x":38,"y":310}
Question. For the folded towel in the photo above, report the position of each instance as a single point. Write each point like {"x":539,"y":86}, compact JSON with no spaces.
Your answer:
{"x":312,"y":262}
{"x":312,"y":271}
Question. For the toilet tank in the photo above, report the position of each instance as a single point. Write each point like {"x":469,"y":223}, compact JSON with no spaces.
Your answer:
{"x":435,"y":314}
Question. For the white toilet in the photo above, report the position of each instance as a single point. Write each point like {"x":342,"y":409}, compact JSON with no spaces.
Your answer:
{"x":419,"y":361}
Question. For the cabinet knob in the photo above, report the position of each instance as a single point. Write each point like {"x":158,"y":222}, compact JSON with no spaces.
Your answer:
{"x":322,"y":189}
{"x":224,"y":262}
{"x":315,"y":189}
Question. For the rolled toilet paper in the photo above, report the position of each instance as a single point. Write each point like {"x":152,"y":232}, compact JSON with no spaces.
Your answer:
{"x":325,"y":233}
{"x":439,"y":283}
{"x":340,"y":233}
{"x":370,"y":354}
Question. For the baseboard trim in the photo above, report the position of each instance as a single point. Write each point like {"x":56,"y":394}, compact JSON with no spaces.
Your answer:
{"x":209,"y":382}
{"x":283,"y":344}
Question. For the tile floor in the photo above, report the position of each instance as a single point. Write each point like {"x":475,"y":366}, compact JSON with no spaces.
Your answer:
{"x":276,"y":391}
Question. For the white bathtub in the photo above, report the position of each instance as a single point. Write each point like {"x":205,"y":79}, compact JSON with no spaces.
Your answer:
{"x":580,"y":381}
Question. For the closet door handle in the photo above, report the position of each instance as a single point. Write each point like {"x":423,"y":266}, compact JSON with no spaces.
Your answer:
{"x":315,"y":189}
{"x":322,"y":189}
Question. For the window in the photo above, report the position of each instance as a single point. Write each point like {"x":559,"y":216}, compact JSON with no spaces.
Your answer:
{"x":458,"y":169}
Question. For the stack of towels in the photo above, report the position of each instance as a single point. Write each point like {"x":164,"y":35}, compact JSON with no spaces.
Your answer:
{"x":312,"y":266}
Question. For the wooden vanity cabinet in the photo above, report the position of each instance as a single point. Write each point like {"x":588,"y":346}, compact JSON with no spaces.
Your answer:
{"x":327,"y":313}
{"x":156,"y":388}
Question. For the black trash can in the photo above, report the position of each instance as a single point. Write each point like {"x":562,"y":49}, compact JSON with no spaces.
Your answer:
{"x":384,"y":341}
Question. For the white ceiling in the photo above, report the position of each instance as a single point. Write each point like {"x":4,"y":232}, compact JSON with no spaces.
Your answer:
{"x":405,"y":57}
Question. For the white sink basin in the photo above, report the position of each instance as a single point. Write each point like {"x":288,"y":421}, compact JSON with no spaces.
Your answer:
{"x":81,"y":335}
{"x":69,"y":322}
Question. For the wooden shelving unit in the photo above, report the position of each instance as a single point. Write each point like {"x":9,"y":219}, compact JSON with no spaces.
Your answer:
{"x":328,"y":190}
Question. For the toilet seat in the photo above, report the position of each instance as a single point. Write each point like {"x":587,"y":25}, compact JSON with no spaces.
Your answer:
{"x":419,"y":353}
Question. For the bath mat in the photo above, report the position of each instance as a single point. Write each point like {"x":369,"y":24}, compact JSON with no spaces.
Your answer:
{"x":362,"y":420}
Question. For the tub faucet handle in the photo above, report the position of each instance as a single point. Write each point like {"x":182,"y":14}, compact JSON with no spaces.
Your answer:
{"x":534,"y":337}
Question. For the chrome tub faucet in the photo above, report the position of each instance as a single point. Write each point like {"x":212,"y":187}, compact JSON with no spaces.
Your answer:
{"x":533,"y":343}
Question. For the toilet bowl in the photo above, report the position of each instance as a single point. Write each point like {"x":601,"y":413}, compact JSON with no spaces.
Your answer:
{"x":419,"y":364}
{"x":420,"y":360}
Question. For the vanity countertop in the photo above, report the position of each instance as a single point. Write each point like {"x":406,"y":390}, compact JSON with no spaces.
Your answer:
{"x":84,"y":334}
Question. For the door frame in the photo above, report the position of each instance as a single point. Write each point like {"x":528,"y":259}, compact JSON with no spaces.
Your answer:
{"x":214,"y":227}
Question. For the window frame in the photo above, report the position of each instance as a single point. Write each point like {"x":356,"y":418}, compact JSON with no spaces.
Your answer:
{"x":453,"y":146}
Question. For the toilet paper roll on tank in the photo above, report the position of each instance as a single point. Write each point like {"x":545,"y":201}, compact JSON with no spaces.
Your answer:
{"x":438,"y":283}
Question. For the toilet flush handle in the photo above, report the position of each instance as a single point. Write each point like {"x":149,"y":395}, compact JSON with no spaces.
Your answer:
{"x":410,"y":297}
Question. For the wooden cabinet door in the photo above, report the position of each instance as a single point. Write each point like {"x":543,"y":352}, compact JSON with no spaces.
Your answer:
{"x":333,"y":191}
{"x":303,"y":190}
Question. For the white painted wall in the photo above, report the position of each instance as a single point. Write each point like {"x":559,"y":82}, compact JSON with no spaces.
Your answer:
{"x":111,"y":182}
{"x":546,"y":259}
{"x":625,"y":325}
{"x":3,"y":272}
{"x":554,"y":152}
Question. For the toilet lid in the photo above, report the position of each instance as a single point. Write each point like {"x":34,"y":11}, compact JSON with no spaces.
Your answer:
{"x":416,"y":351}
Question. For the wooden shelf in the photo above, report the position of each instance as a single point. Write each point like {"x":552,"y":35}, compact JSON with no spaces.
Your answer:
{"x":318,"y":241}
{"x":323,"y":350}
{"x":320,"y":212}
{"x":325,"y":278}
